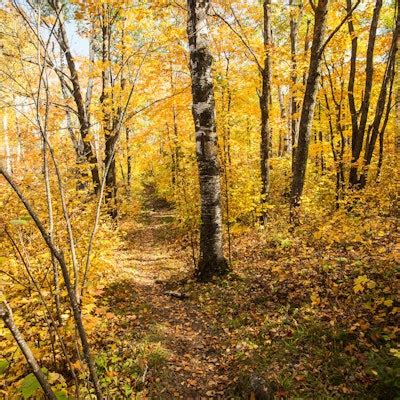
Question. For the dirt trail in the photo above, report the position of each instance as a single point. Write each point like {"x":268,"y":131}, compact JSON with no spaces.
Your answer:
{"x":150,"y":263}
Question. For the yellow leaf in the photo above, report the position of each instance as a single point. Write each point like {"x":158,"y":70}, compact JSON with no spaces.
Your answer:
{"x":388,"y":303}
{"x":315,"y":299}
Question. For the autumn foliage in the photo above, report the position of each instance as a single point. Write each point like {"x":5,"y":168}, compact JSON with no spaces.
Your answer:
{"x":103,"y":199}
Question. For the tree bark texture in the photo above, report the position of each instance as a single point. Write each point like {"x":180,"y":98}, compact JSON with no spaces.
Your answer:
{"x":358,"y":129}
{"x":307,"y":112}
{"x":88,"y":152}
{"x":264,"y":107}
{"x":212,"y":261}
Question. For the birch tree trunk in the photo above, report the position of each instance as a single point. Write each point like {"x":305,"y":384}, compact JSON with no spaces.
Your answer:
{"x":20,"y":147}
{"x":212,"y":261}
{"x":307,"y":112}
{"x":7,"y":151}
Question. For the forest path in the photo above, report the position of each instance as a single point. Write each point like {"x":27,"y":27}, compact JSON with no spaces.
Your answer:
{"x":177,"y":351}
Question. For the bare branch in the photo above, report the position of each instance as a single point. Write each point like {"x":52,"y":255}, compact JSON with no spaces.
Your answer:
{"x":260,"y":68}
{"x":7,"y":316}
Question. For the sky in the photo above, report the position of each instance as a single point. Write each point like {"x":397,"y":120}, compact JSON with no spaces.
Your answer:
{"x":79,"y":45}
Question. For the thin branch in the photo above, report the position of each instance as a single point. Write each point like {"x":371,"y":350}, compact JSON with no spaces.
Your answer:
{"x":25,"y":262}
{"x":134,"y":113}
{"x":260,"y":68}
{"x":67,"y":280}
{"x":333,"y":33}
{"x":7,"y":316}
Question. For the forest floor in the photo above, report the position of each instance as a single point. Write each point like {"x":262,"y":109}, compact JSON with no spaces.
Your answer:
{"x":290,"y":321}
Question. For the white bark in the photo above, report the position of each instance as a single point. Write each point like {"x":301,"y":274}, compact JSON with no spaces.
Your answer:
{"x":7,"y":146}
{"x":212,"y":261}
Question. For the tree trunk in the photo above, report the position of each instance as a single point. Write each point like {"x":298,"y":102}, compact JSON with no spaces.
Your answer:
{"x":58,"y":255}
{"x":358,"y":130}
{"x":294,"y":29}
{"x":308,"y":104}
{"x":128,"y":161}
{"x":109,"y":124}
{"x":388,"y":79}
{"x":8,"y":163}
{"x":20,"y":147}
{"x":7,"y":316}
{"x":397,"y":116}
{"x":306,"y":49}
{"x":76,"y":92}
{"x":285,"y":142}
{"x":265,"y":108}
{"x":320,"y":141}
{"x":76,"y":141}
{"x":212,"y":261}
{"x":176,"y":148}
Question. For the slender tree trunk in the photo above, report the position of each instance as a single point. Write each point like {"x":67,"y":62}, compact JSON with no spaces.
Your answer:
{"x":76,"y":141}
{"x":380,"y":159}
{"x":90,"y":83}
{"x":226,"y":154}
{"x":110,"y":134}
{"x":111,"y":175}
{"x":20,"y":147}
{"x":46,"y":177}
{"x":294,"y":29}
{"x":58,"y":255}
{"x":128,"y":161}
{"x":7,"y":316}
{"x":212,"y":261}
{"x":358,"y":130}
{"x":307,"y":113}
{"x":78,"y":98}
{"x":397,"y":117}
{"x":176,"y":149}
{"x":352,"y":76}
{"x":306,"y":49}
{"x":384,"y":99}
{"x":334,"y":153}
{"x":265,"y":109}
{"x":339,"y":154}
{"x":9,"y":166}
{"x":284,"y":138}
{"x":320,"y":141}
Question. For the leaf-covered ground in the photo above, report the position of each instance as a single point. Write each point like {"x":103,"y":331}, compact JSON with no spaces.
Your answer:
{"x":304,"y":319}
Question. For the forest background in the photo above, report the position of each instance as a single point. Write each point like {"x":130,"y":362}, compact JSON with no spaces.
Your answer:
{"x":102,"y":255}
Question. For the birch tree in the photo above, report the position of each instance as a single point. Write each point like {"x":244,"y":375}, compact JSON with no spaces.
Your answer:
{"x":212,"y":261}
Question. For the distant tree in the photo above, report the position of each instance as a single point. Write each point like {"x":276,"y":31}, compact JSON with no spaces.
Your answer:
{"x":307,"y":113}
{"x":364,"y":134}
